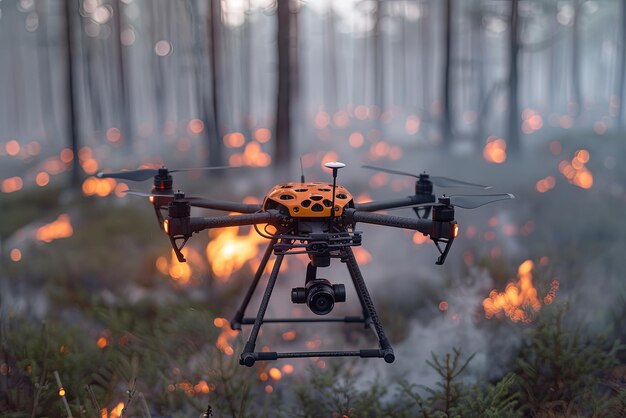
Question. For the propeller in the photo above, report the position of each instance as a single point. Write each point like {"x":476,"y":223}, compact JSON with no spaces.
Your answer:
{"x":467,"y":201}
{"x":436,"y":180}
{"x":200,"y":202}
{"x":146,"y":173}
{"x":181,"y":196}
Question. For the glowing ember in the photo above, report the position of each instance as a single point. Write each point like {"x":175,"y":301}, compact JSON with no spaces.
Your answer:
{"x":93,"y":186}
{"x":15,"y":254}
{"x":61,"y":228}
{"x":180,"y":272}
{"x":228,"y":251}
{"x":519,"y":301}
{"x":545,"y":184}
{"x":419,"y":238}
{"x":495,"y":150}
{"x":102,"y":342}
{"x":12,"y":184}
{"x":226,"y":336}
{"x":275,"y":373}
{"x":575,"y":170}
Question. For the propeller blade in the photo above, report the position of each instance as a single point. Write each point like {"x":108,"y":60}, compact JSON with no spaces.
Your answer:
{"x":132,"y":175}
{"x":436,"y":180}
{"x":387,"y":170}
{"x":466,"y":201}
{"x":142,"y":194}
{"x":474,"y":201}
{"x":448,"y":182}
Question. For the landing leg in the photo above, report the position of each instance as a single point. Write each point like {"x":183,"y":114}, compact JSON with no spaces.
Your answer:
{"x":366,"y":301}
{"x":248,"y":357}
{"x":236,"y":322}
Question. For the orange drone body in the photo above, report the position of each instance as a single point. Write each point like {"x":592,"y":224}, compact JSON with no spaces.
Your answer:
{"x":308,"y":200}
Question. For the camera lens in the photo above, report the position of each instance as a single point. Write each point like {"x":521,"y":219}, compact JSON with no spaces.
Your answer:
{"x":321,"y":300}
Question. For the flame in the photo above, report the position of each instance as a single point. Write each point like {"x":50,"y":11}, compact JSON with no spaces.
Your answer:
{"x":226,"y":336}
{"x":61,"y":228}
{"x":228,"y":251}
{"x":115,"y":412}
{"x":495,"y":150}
{"x":93,"y":186}
{"x":545,"y":184}
{"x":180,"y":272}
{"x":519,"y":301}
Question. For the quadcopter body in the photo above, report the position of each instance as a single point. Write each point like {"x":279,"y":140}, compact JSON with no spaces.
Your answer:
{"x":317,"y":219}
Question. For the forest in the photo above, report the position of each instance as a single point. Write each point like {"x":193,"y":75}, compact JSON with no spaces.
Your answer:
{"x":98,"y":318}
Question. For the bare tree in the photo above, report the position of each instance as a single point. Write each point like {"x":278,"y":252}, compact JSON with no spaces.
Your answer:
{"x":513,"y":142}
{"x":72,"y":129}
{"x":446,"y":119}
{"x":282,"y":150}
{"x":622,"y":73}
{"x":215,"y":148}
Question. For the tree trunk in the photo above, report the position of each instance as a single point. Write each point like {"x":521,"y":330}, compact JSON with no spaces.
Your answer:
{"x":72,"y":129}
{"x":446,"y":117}
{"x":282,"y":150}
{"x":513,"y":142}
{"x":215,"y":143}
{"x":622,"y":74}
{"x":125,"y":109}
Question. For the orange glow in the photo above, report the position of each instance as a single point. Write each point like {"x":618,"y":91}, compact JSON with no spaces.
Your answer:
{"x":90,"y":166}
{"x":226,"y":337}
{"x":328,"y":157}
{"x":545,"y":184}
{"x":254,"y":156}
{"x":356,"y":140}
{"x":322,"y":120}
{"x":228,"y":251}
{"x":166,"y":226}
{"x":287,"y":369}
{"x":234,"y":140}
{"x":15,"y":254}
{"x":113,"y":135}
{"x":42,"y":179}
{"x":102,"y":342}
{"x":341,"y":119}
{"x":67,"y":155}
{"x":100,"y":187}
{"x":412,"y":125}
{"x":117,"y":411}
{"x":495,"y":150}
{"x":195,"y":127}
{"x":419,"y":238}
{"x":12,"y":147}
{"x":120,"y":189}
{"x":61,"y":392}
{"x":443,"y":306}
{"x":361,"y":112}
{"x":202,"y":387}
{"x":362,"y":255}
{"x":519,"y":301}
{"x":180,"y":272}
{"x":61,"y":228}
{"x":262,"y":135}
{"x":269,"y":389}
{"x":575,"y":170}
{"x":455,"y":230}
{"x":85,"y":153}
{"x":275,"y":373}
{"x":289,"y":335}
{"x":12,"y":184}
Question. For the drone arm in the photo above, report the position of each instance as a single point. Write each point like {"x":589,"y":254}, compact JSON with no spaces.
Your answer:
{"x":439,"y":231}
{"x":421,"y":225}
{"x":226,"y":206}
{"x":397,"y":203}
{"x":200,"y":223}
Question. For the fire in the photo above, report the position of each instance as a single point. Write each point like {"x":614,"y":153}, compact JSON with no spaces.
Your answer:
{"x":61,"y":228}
{"x":226,"y":336}
{"x":575,"y":170}
{"x":519,"y":300}
{"x":180,"y":272}
{"x":115,"y":412}
{"x":495,"y":150}
{"x":545,"y":184}
{"x":228,"y":251}
{"x":12,"y":184}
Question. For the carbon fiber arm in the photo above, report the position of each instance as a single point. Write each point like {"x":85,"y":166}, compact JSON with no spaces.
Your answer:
{"x":397,"y":203}
{"x":422,"y":225}
{"x":200,"y":223}
{"x":226,"y":206}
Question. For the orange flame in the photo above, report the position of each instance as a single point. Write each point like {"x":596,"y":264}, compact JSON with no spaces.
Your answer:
{"x":180,"y":272}
{"x":226,"y":336}
{"x":228,"y":251}
{"x":519,"y":300}
{"x":61,"y":228}
{"x":115,"y":412}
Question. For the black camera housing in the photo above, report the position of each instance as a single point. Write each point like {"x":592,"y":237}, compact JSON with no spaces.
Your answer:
{"x":319,"y":295}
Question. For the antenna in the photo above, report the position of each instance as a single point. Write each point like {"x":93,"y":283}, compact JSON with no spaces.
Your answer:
{"x":301,"y":171}
{"x":335,"y":166}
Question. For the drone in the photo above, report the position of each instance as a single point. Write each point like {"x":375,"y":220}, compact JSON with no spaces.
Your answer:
{"x":318,"y":219}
